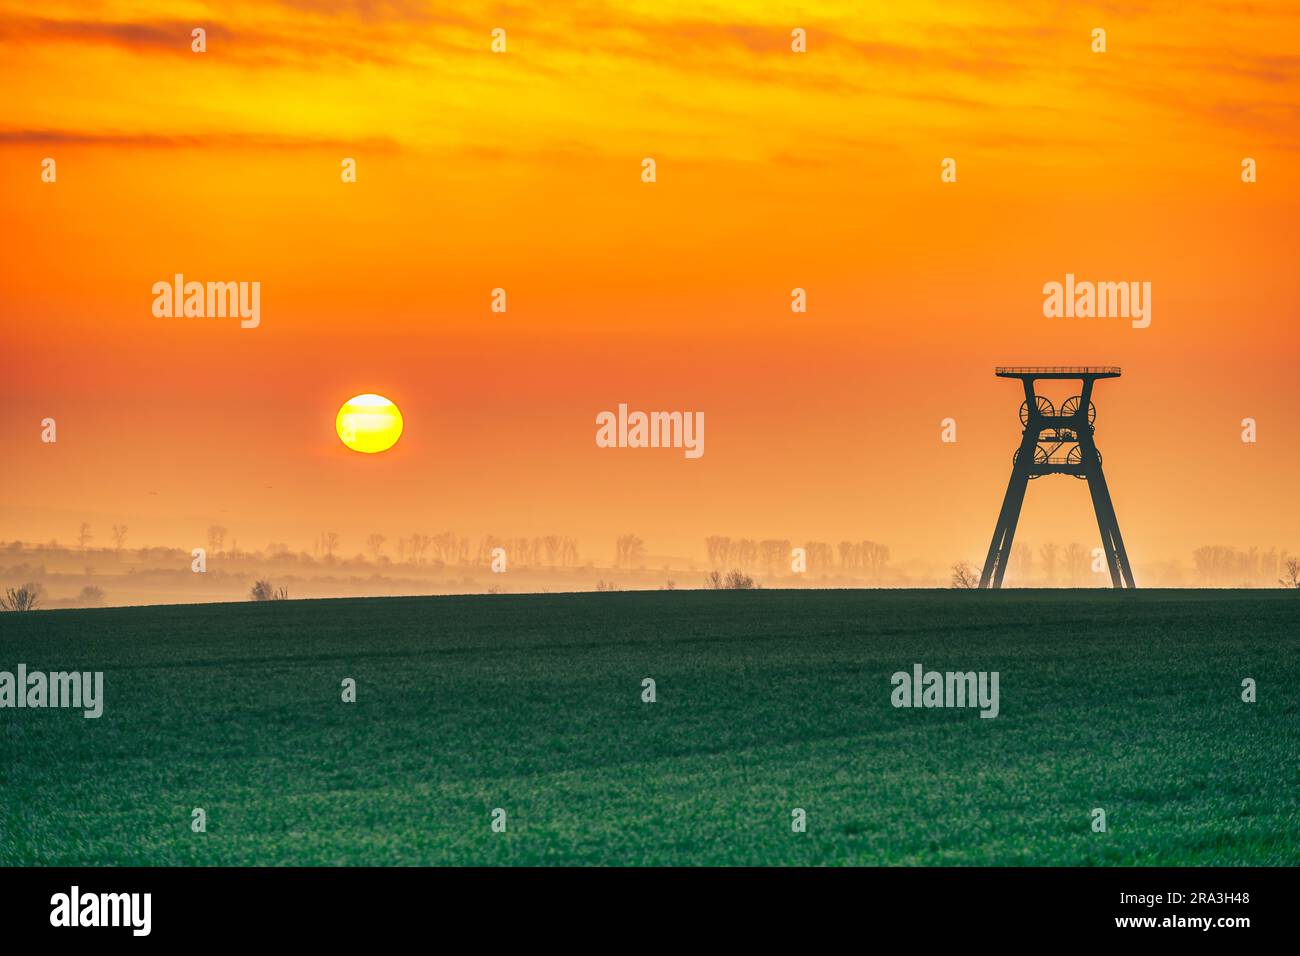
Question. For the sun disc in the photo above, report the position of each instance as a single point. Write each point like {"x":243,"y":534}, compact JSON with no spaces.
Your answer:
{"x":369,"y":424}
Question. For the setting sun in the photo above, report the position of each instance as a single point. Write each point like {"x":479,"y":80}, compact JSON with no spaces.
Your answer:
{"x":369,"y":423}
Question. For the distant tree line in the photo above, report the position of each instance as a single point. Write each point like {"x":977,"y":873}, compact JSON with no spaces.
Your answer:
{"x":773,"y":555}
{"x":1224,"y":566}
{"x":1213,"y":566}
{"x":1052,"y":564}
{"x":447,"y":548}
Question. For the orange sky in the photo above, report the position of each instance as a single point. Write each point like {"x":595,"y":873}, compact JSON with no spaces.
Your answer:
{"x":522,"y":170}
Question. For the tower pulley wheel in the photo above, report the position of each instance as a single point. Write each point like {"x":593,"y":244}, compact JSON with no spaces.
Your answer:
{"x":1075,"y":457}
{"x":1040,"y":458}
{"x":1071,"y":408}
{"x":1042,"y":405}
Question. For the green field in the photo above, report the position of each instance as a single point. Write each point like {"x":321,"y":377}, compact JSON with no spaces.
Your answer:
{"x":767,"y":701}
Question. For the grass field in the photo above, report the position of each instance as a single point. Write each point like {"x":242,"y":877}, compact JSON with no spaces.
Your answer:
{"x":766,"y":701}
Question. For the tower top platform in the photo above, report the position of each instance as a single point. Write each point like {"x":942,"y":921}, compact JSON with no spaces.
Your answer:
{"x":1057,"y":371}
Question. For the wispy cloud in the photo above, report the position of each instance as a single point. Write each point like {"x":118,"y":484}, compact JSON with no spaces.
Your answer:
{"x":167,"y":36}
{"x":307,"y":45}
{"x":222,"y":140}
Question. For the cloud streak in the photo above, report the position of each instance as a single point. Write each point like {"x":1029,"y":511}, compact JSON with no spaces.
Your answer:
{"x":213,"y":140}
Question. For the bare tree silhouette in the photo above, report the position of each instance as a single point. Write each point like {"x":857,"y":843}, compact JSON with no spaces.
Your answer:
{"x":628,"y":549}
{"x":733,"y":580}
{"x":964,"y":576}
{"x":1290,"y":573}
{"x":1048,"y":553}
{"x":119,"y":536}
{"x":877,"y":556}
{"x":263,"y":590}
{"x":25,"y":598}
{"x":1076,"y":562}
{"x":90,"y":596}
{"x":84,"y":535}
{"x":819,"y":554}
{"x":1022,"y":562}
{"x":718,"y":548}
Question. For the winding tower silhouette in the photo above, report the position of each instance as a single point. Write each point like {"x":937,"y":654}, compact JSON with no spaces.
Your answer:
{"x":1057,"y":442}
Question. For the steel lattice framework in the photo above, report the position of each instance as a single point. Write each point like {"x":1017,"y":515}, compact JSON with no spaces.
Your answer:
{"x":1057,"y":442}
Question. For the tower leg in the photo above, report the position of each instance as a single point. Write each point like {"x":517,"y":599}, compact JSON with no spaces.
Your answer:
{"x":1004,"y":533}
{"x":1121,"y":553}
{"x":1121,"y":573}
